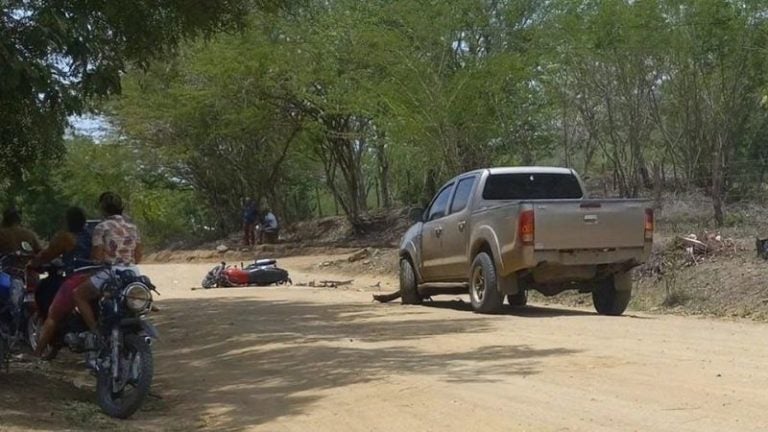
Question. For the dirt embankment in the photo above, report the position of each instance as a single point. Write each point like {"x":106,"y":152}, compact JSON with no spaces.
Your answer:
{"x":328,"y":236}
{"x":727,"y":283}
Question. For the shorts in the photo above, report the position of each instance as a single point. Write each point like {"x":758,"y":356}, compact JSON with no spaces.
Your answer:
{"x":64,"y":302}
{"x":100,"y":278}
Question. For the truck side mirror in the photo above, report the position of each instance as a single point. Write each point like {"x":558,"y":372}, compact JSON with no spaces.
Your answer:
{"x":416,"y":215}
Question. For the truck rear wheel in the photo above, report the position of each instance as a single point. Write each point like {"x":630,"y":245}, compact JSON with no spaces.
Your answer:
{"x":409,"y":289}
{"x":483,"y":285}
{"x":612,"y":296}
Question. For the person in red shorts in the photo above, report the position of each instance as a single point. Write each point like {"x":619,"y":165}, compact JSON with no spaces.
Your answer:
{"x":73,"y":245}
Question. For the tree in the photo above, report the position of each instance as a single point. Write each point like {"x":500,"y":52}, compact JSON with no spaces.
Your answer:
{"x":57,"y":58}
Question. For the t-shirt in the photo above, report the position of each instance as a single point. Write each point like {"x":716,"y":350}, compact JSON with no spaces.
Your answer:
{"x":250,"y":215}
{"x":118,"y":238}
{"x":11,"y":239}
{"x":270,"y":221}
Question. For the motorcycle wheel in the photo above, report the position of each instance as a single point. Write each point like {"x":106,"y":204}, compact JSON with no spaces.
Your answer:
{"x":4,"y":355}
{"x":124,"y":402}
{"x":34,"y":327}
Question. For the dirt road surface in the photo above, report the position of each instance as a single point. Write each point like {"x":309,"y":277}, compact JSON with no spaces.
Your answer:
{"x":307,"y":359}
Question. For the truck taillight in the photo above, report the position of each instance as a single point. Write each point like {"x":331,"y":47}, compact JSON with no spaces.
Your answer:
{"x":649,"y":224}
{"x":526,"y":228}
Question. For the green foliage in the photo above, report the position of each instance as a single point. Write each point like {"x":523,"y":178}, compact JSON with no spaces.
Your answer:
{"x":348,"y":104}
{"x":165,"y":211}
{"x":56,"y":58}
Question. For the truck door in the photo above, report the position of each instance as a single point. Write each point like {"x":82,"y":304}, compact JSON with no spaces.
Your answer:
{"x":453,"y":261}
{"x":432,"y":234}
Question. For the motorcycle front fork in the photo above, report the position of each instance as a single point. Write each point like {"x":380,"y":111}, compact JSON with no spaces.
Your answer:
{"x":112,"y":362}
{"x":115,"y":355}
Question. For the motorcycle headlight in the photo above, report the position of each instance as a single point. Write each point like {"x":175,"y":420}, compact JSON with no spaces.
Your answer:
{"x":138,"y":298}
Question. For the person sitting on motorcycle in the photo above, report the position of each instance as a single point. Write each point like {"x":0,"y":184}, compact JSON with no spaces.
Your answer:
{"x":13,"y":234}
{"x":73,"y":245}
{"x":115,"y":242}
{"x":269,"y":227}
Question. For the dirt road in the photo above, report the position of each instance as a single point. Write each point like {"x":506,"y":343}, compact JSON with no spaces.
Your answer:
{"x":305,"y":359}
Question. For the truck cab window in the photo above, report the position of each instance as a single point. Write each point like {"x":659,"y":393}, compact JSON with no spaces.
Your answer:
{"x":532,"y":186}
{"x":461,"y":197}
{"x":440,"y":203}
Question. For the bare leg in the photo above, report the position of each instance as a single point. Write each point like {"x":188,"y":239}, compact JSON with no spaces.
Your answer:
{"x":46,"y":336}
{"x":84,"y":295}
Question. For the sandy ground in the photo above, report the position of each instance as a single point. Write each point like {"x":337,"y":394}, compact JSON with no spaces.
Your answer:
{"x":306,"y":359}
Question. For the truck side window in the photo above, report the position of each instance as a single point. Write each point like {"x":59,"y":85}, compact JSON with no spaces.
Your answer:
{"x":440,"y":204}
{"x":461,"y":196}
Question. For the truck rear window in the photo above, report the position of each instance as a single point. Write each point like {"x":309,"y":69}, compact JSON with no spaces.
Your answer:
{"x":531,"y":186}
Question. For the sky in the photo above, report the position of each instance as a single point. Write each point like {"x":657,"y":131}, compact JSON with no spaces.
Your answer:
{"x":94,"y":126}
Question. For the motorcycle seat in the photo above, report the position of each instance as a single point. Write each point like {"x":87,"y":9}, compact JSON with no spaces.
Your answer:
{"x":265,"y":262}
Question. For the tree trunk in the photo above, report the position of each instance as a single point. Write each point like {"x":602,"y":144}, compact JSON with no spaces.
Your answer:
{"x":657,"y":188}
{"x":319,"y":203}
{"x":717,"y":183}
{"x":430,"y":187}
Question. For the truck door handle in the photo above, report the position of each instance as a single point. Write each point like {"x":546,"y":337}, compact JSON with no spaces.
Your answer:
{"x":462,"y":225}
{"x":438,"y":231}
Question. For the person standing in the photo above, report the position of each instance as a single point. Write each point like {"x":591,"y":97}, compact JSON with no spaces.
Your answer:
{"x":250,"y":218}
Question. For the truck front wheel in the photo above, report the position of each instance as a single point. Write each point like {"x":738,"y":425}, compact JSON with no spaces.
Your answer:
{"x":409,"y":289}
{"x":483,"y":286}
{"x":612,"y":296}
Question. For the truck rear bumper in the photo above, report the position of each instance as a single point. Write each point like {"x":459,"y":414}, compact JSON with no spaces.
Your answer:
{"x":589,"y":256}
{"x":579,"y":261}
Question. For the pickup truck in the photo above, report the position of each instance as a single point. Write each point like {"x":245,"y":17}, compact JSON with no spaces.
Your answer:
{"x":503,"y":231}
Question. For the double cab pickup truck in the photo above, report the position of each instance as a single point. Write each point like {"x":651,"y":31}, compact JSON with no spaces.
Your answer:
{"x":505,"y":231}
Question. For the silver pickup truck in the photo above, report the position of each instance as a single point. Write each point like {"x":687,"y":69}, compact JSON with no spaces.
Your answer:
{"x":504,"y":231}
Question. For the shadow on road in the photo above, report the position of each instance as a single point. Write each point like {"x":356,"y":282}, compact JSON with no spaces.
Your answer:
{"x":243,"y":362}
{"x":227,"y":364}
{"x":523,"y":312}
{"x":36,"y":399}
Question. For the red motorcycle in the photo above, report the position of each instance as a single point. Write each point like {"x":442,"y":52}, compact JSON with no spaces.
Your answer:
{"x":261,"y":273}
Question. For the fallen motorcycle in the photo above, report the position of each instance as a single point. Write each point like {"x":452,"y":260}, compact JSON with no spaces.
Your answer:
{"x":260,"y":273}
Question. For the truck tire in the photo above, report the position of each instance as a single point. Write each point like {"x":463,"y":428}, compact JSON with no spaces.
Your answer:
{"x":409,"y":289}
{"x":519,"y":299}
{"x":483,"y":286}
{"x":612,"y":296}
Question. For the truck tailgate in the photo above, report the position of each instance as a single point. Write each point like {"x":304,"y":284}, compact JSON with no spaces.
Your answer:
{"x":589,"y":224}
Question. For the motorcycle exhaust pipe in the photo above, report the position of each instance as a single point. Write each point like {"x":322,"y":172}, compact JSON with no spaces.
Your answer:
{"x":148,"y":340}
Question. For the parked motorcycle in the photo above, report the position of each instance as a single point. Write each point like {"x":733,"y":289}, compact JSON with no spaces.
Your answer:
{"x":121,"y":357}
{"x":14,"y":302}
{"x":260,"y":273}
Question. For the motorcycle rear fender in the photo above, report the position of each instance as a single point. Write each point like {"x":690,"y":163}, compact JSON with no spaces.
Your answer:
{"x":142,"y":325}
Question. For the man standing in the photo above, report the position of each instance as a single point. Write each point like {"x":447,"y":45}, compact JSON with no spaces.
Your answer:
{"x":250,"y":217}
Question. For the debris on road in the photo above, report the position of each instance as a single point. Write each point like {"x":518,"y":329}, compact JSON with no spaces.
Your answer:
{"x":385,"y":298}
{"x":359,"y":255}
{"x":222,"y":248}
{"x":326,"y":283}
